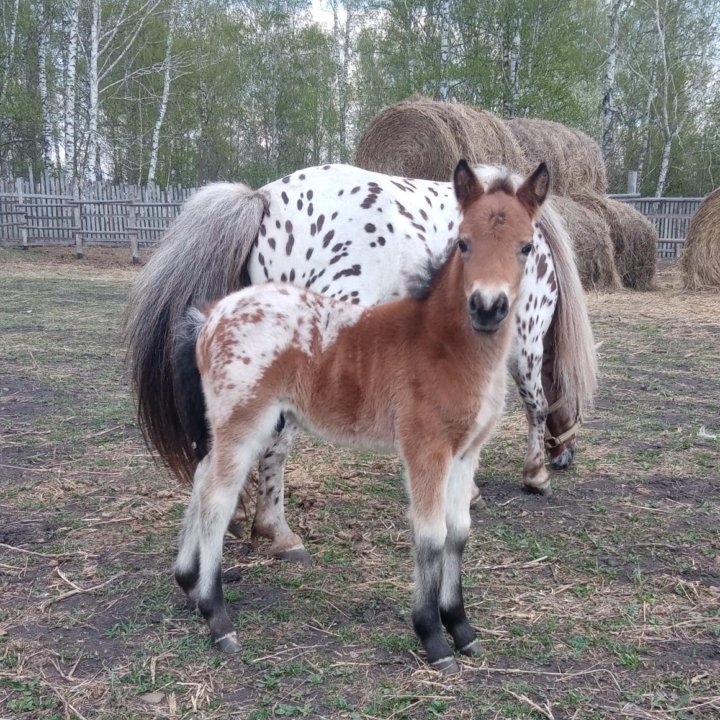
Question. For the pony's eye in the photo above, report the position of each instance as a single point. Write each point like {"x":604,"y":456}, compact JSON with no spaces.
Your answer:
{"x":526,"y":249}
{"x":462,"y":245}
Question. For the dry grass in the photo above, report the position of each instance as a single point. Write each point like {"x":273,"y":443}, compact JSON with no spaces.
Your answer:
{"x":701,"y":254}
{"x":425,"y":139}
{"x":601,"y":602}
{"x":633,"y":236}
{"x":574,"y":158}
{"x":590,"y":234}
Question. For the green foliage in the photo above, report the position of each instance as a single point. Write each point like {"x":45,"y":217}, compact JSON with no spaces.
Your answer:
{"x":257,"y":87}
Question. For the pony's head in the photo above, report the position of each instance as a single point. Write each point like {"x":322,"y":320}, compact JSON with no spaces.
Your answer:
{"x":494,"y":239}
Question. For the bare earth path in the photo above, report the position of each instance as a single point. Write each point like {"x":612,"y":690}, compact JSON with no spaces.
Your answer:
{"x":601,"y":602}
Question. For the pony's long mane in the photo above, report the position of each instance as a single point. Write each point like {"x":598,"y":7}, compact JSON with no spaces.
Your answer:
{"x":570,"y":335}
{"x":201,"y":259}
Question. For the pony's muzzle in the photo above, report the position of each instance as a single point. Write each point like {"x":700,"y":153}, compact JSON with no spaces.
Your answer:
{"x":487,"y":314}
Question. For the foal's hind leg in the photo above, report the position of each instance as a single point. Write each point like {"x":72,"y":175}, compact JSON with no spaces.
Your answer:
{"x":270,"y":520}
{"x":197,"y":568}
{"x":215,"y":492}
{"x":457,"y":518}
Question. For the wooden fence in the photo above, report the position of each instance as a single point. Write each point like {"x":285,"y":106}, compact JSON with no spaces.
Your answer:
{"x":52,"y":213}
{"x":671,"y":217}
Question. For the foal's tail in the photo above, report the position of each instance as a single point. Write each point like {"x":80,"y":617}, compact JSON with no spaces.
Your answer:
{"x":202,"y":258}
{"x":187,"y":387}
{"x":575,"y":361}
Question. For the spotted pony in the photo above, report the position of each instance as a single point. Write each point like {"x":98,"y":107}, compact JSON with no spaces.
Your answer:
{"x":364,"y":238}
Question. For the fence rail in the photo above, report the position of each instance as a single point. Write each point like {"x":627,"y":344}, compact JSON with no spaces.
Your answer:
{"x":671,"y":217}
{"x":51,"y":212}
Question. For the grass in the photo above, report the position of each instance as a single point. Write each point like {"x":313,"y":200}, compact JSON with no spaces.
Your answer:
{"x":600,"y":602}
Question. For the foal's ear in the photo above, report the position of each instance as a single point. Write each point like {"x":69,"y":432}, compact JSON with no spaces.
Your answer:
{"x":534,"y":190}
{"x":467,"y":186}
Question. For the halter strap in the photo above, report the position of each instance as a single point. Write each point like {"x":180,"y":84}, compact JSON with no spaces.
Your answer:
{"x":551,"y":442}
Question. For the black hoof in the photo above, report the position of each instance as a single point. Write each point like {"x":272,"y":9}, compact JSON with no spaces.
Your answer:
{"x":446,"y":665}
{"x":228,"y":643}
{"x":236,"y":529}
{"x":471,"y":649}
{"x":563,"y":460}
{"x":298,"y":555}
{"x":544,"y":490}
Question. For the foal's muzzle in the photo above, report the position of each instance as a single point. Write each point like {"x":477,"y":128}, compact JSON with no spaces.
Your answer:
{"x":487,"y":314}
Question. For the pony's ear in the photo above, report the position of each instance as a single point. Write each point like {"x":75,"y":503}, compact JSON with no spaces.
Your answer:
{"x":467,"y":186}
{"x":534,"y":190}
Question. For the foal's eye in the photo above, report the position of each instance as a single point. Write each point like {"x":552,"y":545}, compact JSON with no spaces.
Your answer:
{"x":526,"y":249}
{"x":462,"y":245}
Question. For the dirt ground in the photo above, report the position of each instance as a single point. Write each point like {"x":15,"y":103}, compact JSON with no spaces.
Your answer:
{"x":602,"y":601}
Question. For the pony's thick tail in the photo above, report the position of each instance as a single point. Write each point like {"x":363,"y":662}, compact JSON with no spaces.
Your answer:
{"x":575,"y":360}
{"x":201,"y":259}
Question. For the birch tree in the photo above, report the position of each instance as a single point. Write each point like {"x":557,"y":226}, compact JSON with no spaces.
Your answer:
{"x":71,"y":21}
{"x":10,"y":33}
{"x":45,"y":109}
{"x":110,"y":44}
{"x":608,"y":101}
{"x":444,"y":10}
{"x":167,"y":78}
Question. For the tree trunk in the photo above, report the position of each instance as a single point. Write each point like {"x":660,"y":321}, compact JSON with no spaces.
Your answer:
{"x":645,"y":132}
{"x":343,"y":85}
{"x":608,"y":101}
{"x":664,"y":166}
{"x":94,"y":111}
{"x":47,"y":133}
{"x":72,"y":17}
{"x":511,"y":58}
{"x":444,"y":9}
{"x":167,"y":78}
{"x":10,"y":53}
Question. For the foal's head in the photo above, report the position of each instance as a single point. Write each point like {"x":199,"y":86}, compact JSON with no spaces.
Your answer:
{"x":495,"y":237}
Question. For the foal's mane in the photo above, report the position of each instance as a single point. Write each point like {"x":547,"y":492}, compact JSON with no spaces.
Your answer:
{"x":420,"y":285}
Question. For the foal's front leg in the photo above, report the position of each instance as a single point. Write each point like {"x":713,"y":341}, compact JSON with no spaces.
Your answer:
{"x":457,"y":519}
{"x":428,"y":473}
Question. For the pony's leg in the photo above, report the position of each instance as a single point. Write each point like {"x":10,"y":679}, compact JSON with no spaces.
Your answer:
{"x":562,"y":420}
{"x":270,"y":520}
{"x":457,"y":519}
{"x":526,"y":368}
{"x":427,"y":479}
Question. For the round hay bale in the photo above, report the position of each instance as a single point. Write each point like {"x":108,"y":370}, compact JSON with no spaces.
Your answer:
{"x":574,"y":158}
{"x":701,"y":255}
{"x":633,"y":236}
{"x":425,"y":139}
{"x":590,"y":234}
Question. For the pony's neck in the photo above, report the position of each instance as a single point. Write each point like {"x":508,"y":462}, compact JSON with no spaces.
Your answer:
{"x":447,"y":320}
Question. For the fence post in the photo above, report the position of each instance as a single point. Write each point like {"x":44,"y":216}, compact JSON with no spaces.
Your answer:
{"x":133,"y":232}
{"x":77,"y":221}
{"x":632,"y":182}
{"x":23,"y":230}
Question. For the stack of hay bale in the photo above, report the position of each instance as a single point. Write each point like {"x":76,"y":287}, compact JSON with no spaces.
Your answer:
{"x":701,"y":256}
{"x":424,"y":139}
